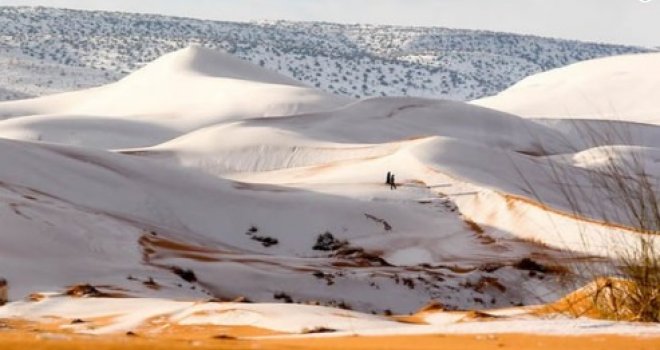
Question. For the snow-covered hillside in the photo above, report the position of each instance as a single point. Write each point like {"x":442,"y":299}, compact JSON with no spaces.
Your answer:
{"x":180,"y":92}
{"x":203,"y":176}
{"x":619,"y":88}
{"x":46,"y":50}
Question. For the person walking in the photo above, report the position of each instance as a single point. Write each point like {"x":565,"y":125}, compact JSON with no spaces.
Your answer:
{"x":389,"y":178}
{"x":392,"y":183}
{"x":4,"y":293}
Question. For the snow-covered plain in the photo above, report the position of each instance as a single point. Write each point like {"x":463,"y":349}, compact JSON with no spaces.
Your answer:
{"x":202,"y":176}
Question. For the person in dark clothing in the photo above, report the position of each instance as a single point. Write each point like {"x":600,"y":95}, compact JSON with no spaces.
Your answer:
{"x":389,"y":178}
{"x":3,"y":291}
{"x":392,"y":183}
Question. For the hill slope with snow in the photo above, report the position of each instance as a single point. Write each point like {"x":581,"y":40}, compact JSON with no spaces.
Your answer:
{"x":617,"y":88}
{"x":78,"y":49}
{"x":202,"y":176}
{"x":178,"y":93}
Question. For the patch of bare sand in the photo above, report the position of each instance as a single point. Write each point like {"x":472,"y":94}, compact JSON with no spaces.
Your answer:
{"x":160,"y":334}
{"x":604,"y":298}
{"x":44,"y":341}
{"x":59,"y":334}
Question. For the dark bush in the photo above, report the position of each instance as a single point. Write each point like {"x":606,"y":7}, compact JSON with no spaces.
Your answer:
{"x":327,"y":242}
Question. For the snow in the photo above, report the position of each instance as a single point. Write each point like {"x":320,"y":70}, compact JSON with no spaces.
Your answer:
{"x":47,"y":50}
{"x":129,"y":314}
{"x":621,"y":88}
{"x":180,"y":92}
{"x":198,"y":160}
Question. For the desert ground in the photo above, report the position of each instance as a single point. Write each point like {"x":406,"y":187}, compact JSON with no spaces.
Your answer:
{"x":204,"y":201}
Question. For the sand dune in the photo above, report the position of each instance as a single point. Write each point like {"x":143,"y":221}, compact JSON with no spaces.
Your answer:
{"x":202,"y":177}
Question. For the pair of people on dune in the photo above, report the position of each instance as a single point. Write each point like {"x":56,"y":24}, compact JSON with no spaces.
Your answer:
{"x":390,"y":180}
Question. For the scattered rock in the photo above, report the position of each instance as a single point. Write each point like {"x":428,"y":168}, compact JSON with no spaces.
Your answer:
{"x":328,"y":277}
{"x":360,"y":257}
{"x":85,"y":290}
{"x":284,"y":297}
{"x":386,"y":225}
{"x":241,"y":299}
{"x":186,"y":274}
{"x":36,"y":297}
{"x":150,"y":283}
{"x":266,"y":241}
{"x":408,"y":282}
{"x":224,"y":337}
{"x":433,"y":306}
{"x":344,"y":305}
{"x":318,"y":330}
{"x":490,"y":267}
{"x":485,"y":282}
{"x":528,"y":264}
{"x":327,"y":242}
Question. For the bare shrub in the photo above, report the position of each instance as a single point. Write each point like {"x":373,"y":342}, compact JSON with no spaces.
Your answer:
{"x":618,"y":193}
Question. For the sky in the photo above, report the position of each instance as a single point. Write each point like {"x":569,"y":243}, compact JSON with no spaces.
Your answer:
{"x":633,"y":22}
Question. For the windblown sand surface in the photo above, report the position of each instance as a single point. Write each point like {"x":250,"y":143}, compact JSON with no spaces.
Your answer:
{"x":19,"y":340}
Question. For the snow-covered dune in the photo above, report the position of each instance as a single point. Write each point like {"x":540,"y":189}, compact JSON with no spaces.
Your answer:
{"x":178,"y":93}
{"x":133,"y":219}
{"x":374,"y":127}
{"x":203,"y":176}
{"x":625,"y":88}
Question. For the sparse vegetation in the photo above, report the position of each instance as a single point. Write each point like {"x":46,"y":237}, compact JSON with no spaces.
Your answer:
{"x":151,"y":284}
{"x":85,"y":290}
{"x":186,"y":274}
{"x":623,"y":196}
{"x":528,"y":264}
{"x":327,"y":242}
{"x":264,"y":240}
{"x":91,"y":48}
{"x":318,"y":330}
{"x":283,"y":297}
{"x":386,"y":225}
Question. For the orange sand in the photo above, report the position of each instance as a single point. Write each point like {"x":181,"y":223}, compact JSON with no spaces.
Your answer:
{"x":19,"y":335}
{"x":35,"y":341}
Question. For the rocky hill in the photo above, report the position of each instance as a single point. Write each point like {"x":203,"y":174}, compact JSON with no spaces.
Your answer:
{"x":45,"y":50}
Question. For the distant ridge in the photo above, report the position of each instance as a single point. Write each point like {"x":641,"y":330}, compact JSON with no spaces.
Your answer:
{"x":77,"y":49}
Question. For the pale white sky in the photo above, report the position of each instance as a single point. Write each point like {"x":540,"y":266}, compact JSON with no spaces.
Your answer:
{"x":635,"y":22}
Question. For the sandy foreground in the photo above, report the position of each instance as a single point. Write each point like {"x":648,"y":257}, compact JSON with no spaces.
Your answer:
{"x":11,"y":340}
{"x":57,"y":333}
